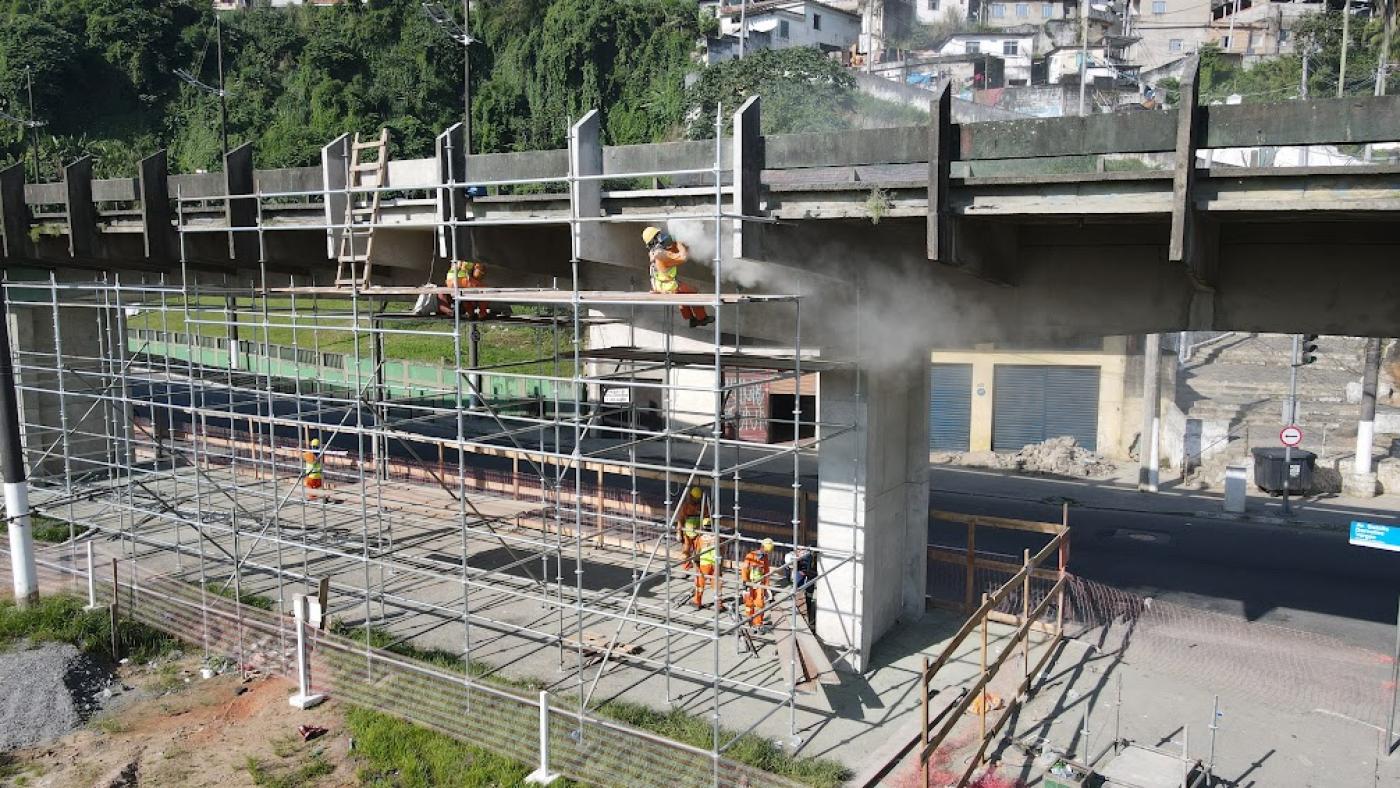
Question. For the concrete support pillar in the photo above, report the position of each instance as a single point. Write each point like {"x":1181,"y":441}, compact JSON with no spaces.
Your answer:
{"x":1361,"y":482}
{"x":873,"y":501}
{"x":43,"y":412}
{"x":1149,"y":445}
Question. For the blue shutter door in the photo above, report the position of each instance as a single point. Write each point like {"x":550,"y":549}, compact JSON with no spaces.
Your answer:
{"x":1033,"y":403}
{"x":949,"y":407}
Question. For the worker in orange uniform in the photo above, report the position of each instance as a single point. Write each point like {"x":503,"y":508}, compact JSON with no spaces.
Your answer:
{"x":313,"y":471}
{"x":688,"y":520}
{"x":667,"y":256}
{"x":473,"y":276}
{"x":754,"y":574}
{"x":711,"y":567}
{"x":445,"y":306}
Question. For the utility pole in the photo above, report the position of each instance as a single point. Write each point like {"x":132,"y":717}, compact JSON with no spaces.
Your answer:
{"x":26,"y":578}
{"x":1149,"y":445}
{"x":223,"y":99}
{"x":1363,"y":481}
{"x":467,"y":78}
{"x":1383,"y":64}
{"x":744,"y":26}
{"x":1346,"y":38}
{"x":1303,"y":86}
{"x":33,"y":128}
{"x":1234,"y":11}
{"x":1084,"y":58}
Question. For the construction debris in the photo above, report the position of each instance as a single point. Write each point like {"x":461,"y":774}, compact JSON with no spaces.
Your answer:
{"x":1059,"y":456}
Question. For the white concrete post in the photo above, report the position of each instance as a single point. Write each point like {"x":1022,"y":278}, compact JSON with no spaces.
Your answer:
{"x":1149,"y":445}
{"x":542,"y":775}
{"x":1362,"y":482}
{"x":91,"y":580}
{"x":302,"y":607}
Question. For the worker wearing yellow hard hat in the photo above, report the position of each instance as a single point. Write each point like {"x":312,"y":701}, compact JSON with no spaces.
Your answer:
{"x":667,"y":256}
{"x":754,"y":574}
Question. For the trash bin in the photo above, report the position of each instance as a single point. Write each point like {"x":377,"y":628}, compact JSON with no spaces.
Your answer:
{"x":1270,"y":469}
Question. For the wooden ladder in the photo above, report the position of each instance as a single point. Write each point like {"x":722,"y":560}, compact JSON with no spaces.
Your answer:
{"x":362,"y":208}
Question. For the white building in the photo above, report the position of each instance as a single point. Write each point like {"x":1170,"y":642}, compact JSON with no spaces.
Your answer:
{"x":793,"y":23}
{"x":929,"y":12}
{"x":1014,"y":49}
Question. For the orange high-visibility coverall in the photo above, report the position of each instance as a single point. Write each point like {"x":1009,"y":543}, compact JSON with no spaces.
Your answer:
{"x":754,"y":574}
{"x":468,"y":281}
{"x":688,"y":522}
{"x":314,"y":471}
{"x":665,"y":265}
{"x":710,"y":569}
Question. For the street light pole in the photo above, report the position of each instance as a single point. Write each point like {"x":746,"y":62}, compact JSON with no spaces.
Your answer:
{"x":33,"y":129}
{"x":467,"y":79}
{"x":223,"y":98}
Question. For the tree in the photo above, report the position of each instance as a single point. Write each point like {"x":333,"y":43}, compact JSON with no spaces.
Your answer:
{"x":802,"y":90}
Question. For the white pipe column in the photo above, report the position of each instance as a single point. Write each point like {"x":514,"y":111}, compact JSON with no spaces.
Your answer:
{"x":1362,"y":481}
{"x":542,"y":775}
{"x":26,"y":579}
{"x":1150,"y":442}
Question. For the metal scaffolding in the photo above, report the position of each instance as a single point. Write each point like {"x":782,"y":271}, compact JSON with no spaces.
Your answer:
{"x":500,"y":512}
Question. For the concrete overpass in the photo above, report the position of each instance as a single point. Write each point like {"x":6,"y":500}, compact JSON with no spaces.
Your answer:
{"x":899,"y":239}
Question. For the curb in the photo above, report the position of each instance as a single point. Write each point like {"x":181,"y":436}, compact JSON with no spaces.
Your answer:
{"x":1274,"y":521}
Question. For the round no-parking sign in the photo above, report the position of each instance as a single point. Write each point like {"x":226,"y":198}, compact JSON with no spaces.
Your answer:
{"x":1290,"y":436}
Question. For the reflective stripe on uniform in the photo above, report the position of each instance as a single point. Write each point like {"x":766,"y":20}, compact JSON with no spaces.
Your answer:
{"x":663,"y":280}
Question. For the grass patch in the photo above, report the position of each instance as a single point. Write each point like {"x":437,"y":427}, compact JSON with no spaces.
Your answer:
{"x":51,"y":530}
{"x":62,"y":618}
{"x":751,"y":750}
{"x":500,"y":344}
{"x":396,"y":753}
{"x":248,"y":598}
{"x":276,"y":776}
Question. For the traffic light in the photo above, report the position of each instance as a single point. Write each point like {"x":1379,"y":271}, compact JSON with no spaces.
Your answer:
{"x":1307,"y":351}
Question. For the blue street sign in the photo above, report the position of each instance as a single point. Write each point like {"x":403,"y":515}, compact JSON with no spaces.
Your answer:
{"x":1383,"y":537}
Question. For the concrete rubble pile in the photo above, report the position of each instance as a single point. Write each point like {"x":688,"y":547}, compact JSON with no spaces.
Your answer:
{"x":1060,"y":456}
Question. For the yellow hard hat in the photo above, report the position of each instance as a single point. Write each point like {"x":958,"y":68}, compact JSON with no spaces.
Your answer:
{"x":767,"y":545}
{"x":315,"y":443}
{"x":705,"y":522}
{"x":695,"y":492}
{"x":649,"y":235}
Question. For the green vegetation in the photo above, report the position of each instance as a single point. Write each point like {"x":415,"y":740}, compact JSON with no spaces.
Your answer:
{"x":281,"y":775}
{"x":675,"y":724}
{"x":1281,"y":78}
{"x":51,"y":530}
{"x":403,"y":755}
{"x":248,"y":598}
{"x":62,"y":618}
{"x":500,"y":344}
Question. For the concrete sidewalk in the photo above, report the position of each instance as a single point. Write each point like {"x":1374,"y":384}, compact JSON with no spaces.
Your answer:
{"x":1328,"y":512}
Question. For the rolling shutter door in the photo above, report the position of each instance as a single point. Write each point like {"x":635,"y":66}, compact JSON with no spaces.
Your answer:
{"x":949,"y":407}
{"x":1033,"y":403}
{"x":1072,"y":404}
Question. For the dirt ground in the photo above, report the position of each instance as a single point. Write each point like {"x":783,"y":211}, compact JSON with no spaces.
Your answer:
{"x":177,"y":729}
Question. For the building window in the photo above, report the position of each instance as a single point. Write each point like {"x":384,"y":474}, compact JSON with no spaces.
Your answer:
{"x":1023,"y":10}
{"x":1283,"y":35}
{"x":933,"y":5}
{"x":783,"y":28}
{"x":1047,"y":10}
{"x":1159,"y":7}
{"x":998,"y":10}
{"x":1009,"y":48}
{"x":974,"y":47}
{"x":1174,"y":45}
{"x":1225,"y":42}
{"x":816,"y":21}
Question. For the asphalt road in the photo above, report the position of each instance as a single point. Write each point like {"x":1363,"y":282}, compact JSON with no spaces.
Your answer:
{"x":1303,"y":579}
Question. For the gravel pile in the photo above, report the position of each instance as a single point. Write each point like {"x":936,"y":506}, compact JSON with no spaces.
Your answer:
{"x":45,"y":692}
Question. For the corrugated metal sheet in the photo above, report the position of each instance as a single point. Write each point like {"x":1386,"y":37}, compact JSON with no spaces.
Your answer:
{"x":1033,"y":403}
{"x":949,"y":406}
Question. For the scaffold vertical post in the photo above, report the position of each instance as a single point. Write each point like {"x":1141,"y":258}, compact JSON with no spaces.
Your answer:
{"x":91,"y":581}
